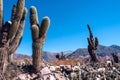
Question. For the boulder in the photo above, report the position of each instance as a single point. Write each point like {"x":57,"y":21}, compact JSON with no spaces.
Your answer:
{"x":45,"y":71}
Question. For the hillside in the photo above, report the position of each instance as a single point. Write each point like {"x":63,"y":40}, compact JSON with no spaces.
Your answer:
{"x":101,"y":51}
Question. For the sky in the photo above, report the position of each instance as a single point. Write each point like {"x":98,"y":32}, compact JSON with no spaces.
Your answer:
{"x":69,"y":19}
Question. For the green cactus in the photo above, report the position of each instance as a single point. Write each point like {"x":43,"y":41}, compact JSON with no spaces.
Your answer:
{"x":33,"y":16}
{"x":92,"y":46}
{"x":35,"y":32}
{"x":38,"y":37}
{"x":11,"y":33}
{"x":16,"y":18}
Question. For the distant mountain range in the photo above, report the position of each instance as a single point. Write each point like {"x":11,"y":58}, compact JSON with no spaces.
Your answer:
{"x":52,"y":55}
{"x":101,"y":51}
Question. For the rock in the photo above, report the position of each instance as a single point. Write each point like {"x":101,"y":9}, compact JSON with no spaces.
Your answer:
{"x":101,"y":70}
{"x":52,"y":77}
{"x":45,"y":71}
{"x":52,"y":68}
{"x":22,"y":77}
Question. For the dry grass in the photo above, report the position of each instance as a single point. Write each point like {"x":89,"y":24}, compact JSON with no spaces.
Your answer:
{"x":72,"y":61}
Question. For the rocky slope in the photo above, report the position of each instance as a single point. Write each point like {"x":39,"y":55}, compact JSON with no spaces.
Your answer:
{"x":101,"y":51}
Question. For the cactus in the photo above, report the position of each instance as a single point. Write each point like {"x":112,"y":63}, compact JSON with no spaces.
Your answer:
{"x":58,"y":56}
{"x":92,"y":46}
{"x":62,"y":56}
{"x":11,"y":33}
{"x":115,"y":58}
{"x":38,"y":37}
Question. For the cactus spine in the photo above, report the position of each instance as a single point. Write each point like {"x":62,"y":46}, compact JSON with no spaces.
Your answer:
{"x":92,"y":46}
{"x":11,"y":33}
{"x":38,"y":37}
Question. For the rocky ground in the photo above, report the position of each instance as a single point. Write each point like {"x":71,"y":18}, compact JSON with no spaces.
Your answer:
{"x":63,"y":70}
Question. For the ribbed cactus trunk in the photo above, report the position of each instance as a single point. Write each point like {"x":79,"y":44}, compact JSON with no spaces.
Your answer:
{"x":11,"y":33}
{"x":3,"y":59}
{"x":38,"y":37}
{"x":92,"y":46}
{"x":37,"y":55}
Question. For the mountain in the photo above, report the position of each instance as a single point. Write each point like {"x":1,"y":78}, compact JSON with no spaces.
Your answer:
{"x":18,"y":56}
{"x":46,"y":55}
{"x":52,"y":55}
{"x":101,"y":51}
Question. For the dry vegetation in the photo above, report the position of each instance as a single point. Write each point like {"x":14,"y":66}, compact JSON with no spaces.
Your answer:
{"x":71,"y":61}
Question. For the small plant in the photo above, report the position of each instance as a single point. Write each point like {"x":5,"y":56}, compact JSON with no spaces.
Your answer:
{"x":115,"y":58}
{"x":60,"y":57}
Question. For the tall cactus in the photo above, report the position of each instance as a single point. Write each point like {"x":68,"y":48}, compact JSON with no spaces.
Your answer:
{"x":92,"y":46}
{"x":38,"y":37}
{"x":11,"y":33}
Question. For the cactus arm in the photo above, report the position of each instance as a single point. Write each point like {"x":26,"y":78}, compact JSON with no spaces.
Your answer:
{"x":34,"y":23}
{"x":44,"y":26}
{"x":91,"y":35}
{"x":43,"y":29}
{"x":16,"y":41}
{"x":96,"y":42}
{"x":89,"y":41}
{"x":33,"y":16}
{"x":1,"y":14}
{"x":35,"y":32}
{"x":17,"y":18}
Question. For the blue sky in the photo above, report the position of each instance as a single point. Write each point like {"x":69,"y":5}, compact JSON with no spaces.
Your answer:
{"x":69,"y":19}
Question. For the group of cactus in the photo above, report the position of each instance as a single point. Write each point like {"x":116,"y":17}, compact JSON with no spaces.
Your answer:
{"x":92,"y":48}
{"x":11,"y":34}
{"x":60,"y":57}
